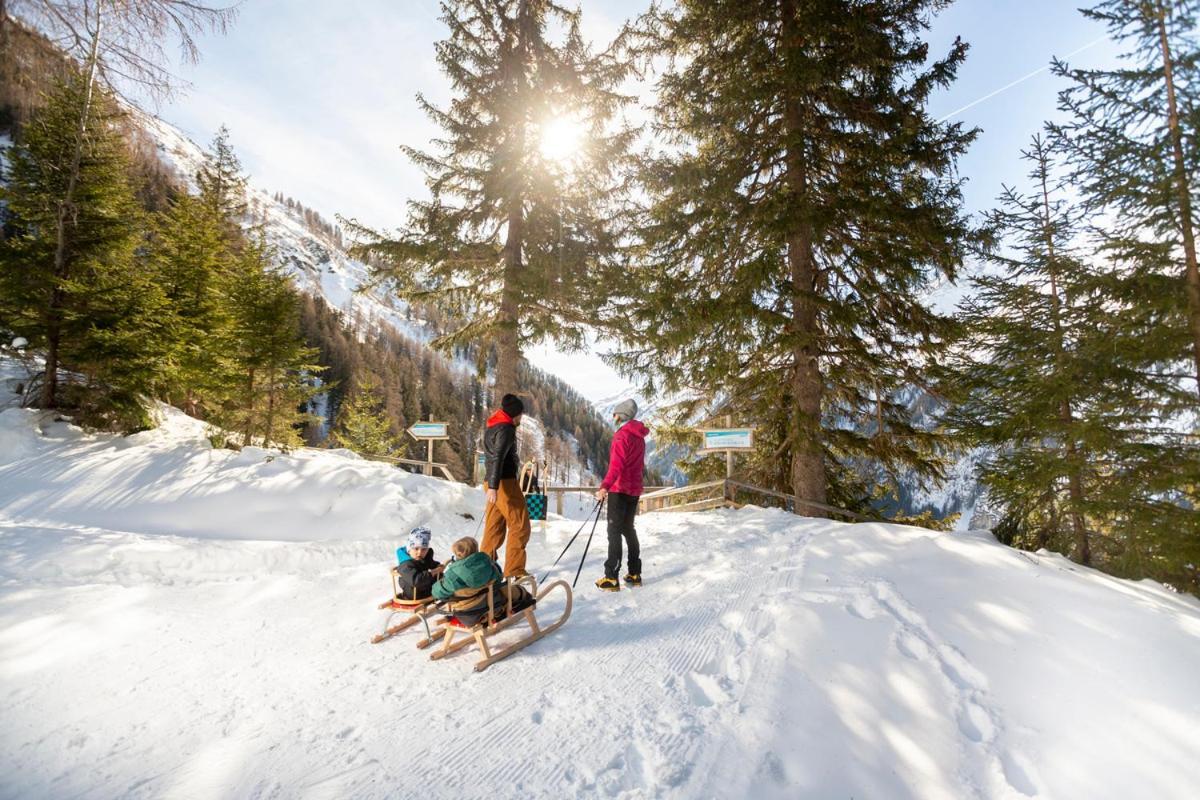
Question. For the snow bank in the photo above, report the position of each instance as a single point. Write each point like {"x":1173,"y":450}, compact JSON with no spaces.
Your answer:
{"x":182,"y":622}
{"x":171,"y":481}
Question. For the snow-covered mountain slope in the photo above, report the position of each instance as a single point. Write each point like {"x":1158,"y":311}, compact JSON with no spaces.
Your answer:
{"x":320,"y":266}
{"x":182,"y":622}
{"x":316,"y":263}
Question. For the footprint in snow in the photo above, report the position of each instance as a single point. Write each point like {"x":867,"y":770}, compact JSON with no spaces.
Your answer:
{"x":911,"y":645}
{"x":1017,"y":771}
{"x":975,"y":724}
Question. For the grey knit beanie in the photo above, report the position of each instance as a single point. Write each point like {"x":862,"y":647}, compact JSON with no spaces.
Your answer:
{"x":626,"y":409}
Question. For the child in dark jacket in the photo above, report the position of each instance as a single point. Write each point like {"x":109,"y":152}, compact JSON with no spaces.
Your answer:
{"x":417,"y":571}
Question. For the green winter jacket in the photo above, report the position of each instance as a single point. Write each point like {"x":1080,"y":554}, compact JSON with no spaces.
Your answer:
{"x":466,"y":575}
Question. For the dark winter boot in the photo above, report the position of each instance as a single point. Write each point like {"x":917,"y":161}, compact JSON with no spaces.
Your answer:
{"x":608,"y":584}
{"x":633,"y":580}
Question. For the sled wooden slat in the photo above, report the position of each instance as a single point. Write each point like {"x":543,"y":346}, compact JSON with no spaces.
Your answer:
{"x":414,"y":608}
{"x":452,"y":642}
{"x":394,"y":629}
{"x":433,"y":639}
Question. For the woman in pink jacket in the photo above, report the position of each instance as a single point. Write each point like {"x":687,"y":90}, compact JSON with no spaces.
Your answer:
{"x":623,"y":486}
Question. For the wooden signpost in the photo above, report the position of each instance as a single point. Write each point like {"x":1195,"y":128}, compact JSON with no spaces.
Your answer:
{"x":429,"y":432}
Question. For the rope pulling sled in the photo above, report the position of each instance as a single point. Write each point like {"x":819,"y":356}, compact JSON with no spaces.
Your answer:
{"x":475,"y":617}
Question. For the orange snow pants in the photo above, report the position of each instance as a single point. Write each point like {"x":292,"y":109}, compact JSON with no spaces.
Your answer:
{"x":507,"y":515}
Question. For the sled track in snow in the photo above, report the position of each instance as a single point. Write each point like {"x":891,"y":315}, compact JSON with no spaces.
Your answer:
{"x":702,"y":673}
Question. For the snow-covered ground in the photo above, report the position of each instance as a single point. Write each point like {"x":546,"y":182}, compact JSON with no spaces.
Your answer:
{"x":182,"y":622}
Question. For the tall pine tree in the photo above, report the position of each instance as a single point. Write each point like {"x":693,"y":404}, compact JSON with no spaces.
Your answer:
{"x":191,"y":253}
{"x":268,"y":353}
{"x":1025,"y":382}
{"x":804,"y":203}
{"x":1063,"y":380}
{"x":1131,"y":140}
{"x":72,"y":282}
{"x":220,"y":180}
{"x":525,"y":185}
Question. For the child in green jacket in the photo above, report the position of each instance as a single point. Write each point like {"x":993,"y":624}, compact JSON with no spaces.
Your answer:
{"x":465,"y":579}
{"x":469,"y":572}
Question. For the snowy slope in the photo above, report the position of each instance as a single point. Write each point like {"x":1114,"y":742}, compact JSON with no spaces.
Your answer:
{"x":182,"y":622}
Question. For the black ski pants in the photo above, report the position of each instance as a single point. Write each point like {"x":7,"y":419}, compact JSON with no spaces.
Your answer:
{"x":622,"y":508}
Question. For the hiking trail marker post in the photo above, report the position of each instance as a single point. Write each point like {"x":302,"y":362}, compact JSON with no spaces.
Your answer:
{"x":429,"y":432}
{"x":727,"y":440}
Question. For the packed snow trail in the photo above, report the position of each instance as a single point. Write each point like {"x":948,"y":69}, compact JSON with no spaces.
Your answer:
{"x":221,"y":650}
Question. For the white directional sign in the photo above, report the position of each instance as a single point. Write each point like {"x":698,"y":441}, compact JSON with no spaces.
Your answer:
{"x":429,"y":430}
{"x":728,"y":438}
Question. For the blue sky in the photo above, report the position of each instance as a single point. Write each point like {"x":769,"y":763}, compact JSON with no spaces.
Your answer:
{"x":318,"y":97}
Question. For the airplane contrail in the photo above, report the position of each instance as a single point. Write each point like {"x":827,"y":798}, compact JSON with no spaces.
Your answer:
{"x":1020,"y":80}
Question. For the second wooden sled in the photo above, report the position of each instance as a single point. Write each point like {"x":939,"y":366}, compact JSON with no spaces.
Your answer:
{"x":456,"y":637}
{"x":399,"y":605}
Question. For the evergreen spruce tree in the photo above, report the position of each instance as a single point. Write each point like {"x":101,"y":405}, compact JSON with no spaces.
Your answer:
{"x":805,"y":202}
{"x":363,"y":424}
{"x":267,"y":352}
{"x":1066,"y":391}
{"x":1135,"y":156}
{"x":1025,"y":380}
{"x":514,"y":237}
{"x":191,"y":254}
{"x":220,"y":180}
{"x":73,"y":283}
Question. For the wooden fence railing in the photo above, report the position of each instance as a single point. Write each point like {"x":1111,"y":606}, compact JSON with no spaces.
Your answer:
{"x":724,"y":494}
{"x":425,"y":467}
{"x":559,"y":491}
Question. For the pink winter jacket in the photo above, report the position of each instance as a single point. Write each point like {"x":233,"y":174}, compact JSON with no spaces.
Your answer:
{"x":626,"y":459}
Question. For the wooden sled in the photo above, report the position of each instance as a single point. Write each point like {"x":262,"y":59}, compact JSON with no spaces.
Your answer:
{"x":455,"y":637}
{"x":398,"y":605}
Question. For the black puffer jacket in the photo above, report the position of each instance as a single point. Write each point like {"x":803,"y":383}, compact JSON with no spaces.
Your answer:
{"x":500,"y":447}
{"x":414,"y":578}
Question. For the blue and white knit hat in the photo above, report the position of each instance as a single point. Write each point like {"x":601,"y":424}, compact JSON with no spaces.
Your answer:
{"x":419,"y":537}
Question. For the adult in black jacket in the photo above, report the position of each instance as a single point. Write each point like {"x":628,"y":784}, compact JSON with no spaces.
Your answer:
{"x":417,"y":571}
{"x":507,"y":516}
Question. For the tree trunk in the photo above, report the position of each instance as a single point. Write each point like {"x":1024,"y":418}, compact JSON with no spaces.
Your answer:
{"x":508,"y":346}
{"x":66,"y":207}
{"x":508,"y":341}
{"x":248,"y":424}
{"x":1191,"y":271}
{"x":808,"y":457}
{"x":1066,"y":415}
{"x":53,"y":338}
{"x":271,"y":384}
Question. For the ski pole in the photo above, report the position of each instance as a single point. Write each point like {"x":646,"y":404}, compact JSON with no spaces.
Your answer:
{"x":588,"y":545}
{"x":573,"y":538}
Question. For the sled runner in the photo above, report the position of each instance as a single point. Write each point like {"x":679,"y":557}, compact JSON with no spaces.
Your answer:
{"x":399,"y":605}
{"x":462,"y":630}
